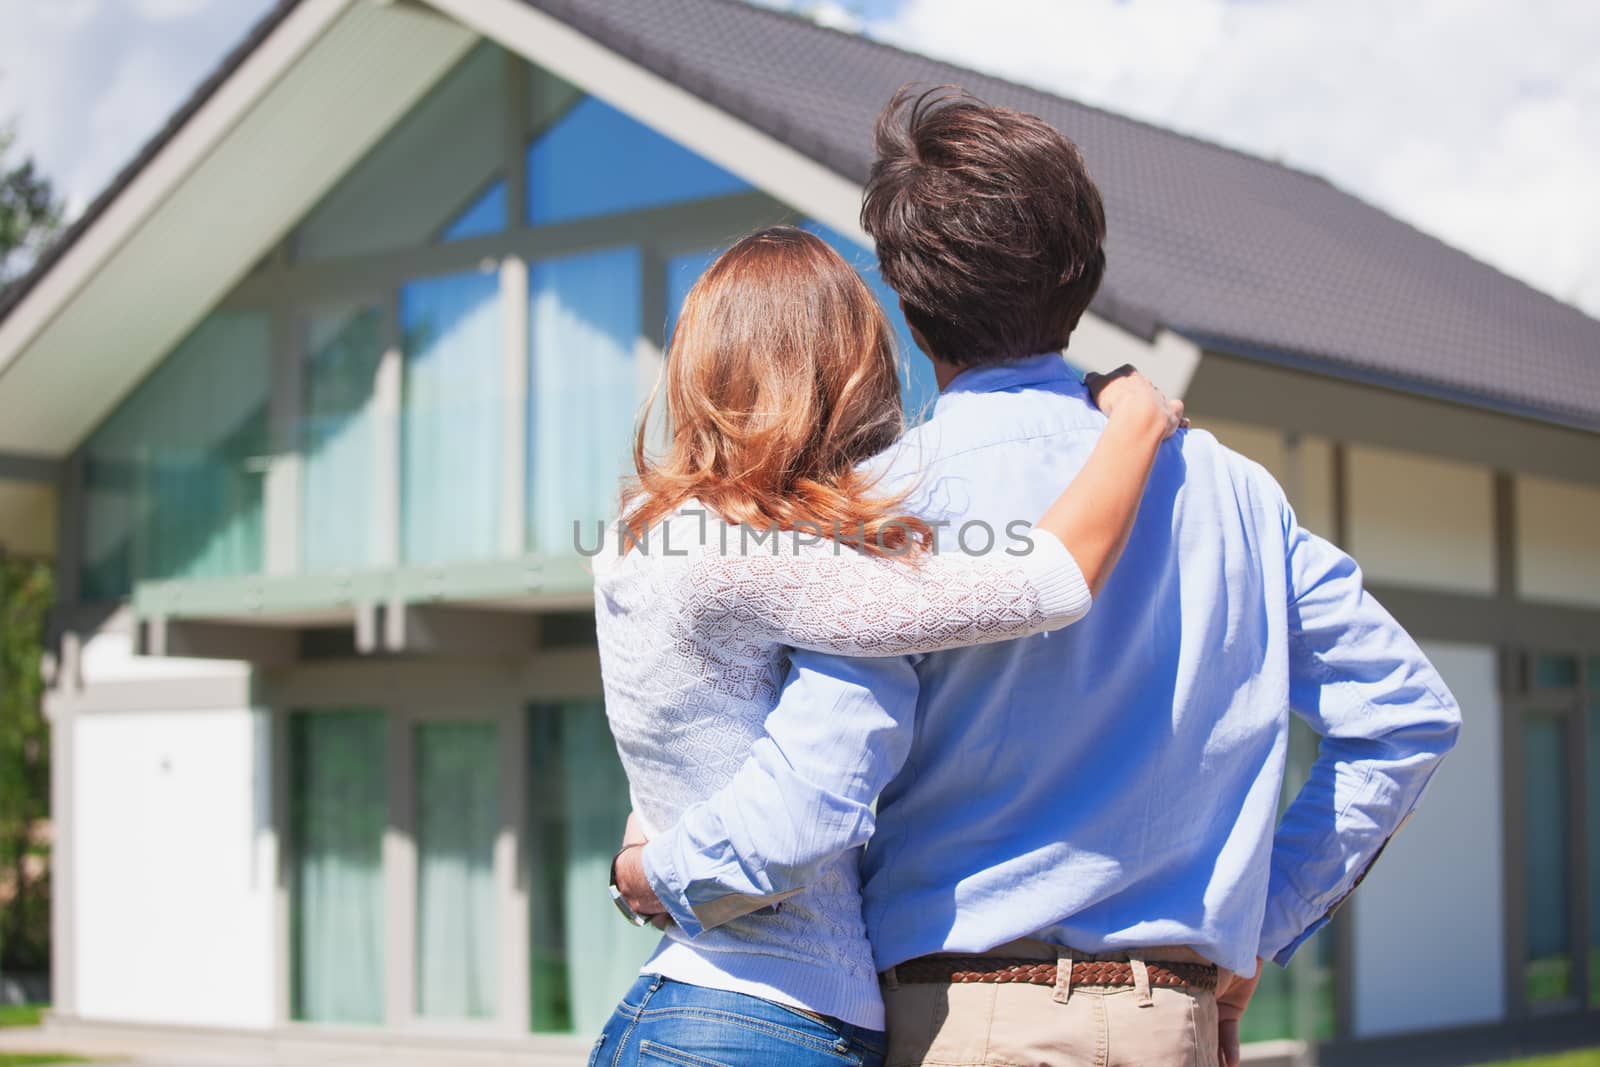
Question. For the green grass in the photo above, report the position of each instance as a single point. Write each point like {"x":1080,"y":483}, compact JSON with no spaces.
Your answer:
{"x":21,"y":1014}
{"x":1585,"y":1058}
{"x":31,"y":1059}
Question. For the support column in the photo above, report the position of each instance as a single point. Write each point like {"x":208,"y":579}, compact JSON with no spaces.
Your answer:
{"x":387,"y":397}
{"x":513,"y":535}
{"x":61,"y":707}
{"x":400,"y":876}
{"x":511,"y":874}
{"x":281,"y":504}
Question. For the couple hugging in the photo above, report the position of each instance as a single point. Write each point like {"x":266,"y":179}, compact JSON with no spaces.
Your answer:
{"x":899,"y":796}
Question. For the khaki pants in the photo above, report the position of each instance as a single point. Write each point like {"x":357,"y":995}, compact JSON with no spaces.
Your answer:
{"x":1017,"y":1025}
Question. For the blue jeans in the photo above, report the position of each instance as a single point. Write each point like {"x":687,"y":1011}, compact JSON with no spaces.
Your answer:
{"x":672,"y":1024}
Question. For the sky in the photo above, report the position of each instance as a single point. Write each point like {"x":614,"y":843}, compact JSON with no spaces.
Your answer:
{"x":1475,"y":120}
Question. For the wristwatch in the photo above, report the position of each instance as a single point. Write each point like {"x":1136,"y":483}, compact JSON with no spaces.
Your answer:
{"x":616,"y":894}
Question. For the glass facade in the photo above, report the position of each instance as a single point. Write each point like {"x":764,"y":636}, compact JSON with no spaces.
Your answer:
{"x":173,"y":478}
{"x":337,"y":814}
{"x":176,"y":478}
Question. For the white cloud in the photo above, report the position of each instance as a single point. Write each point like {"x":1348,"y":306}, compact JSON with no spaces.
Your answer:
{"x":163,"y":10}
{"x":87,"y":82}
{"x":1476,"y":121}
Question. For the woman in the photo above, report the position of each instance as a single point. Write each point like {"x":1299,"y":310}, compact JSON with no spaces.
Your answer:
{"x":780,"y":383}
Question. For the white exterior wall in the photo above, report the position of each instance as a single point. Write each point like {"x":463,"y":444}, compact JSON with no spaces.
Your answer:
{"x":1558,"y":541}
{"x":1420,"y":521}
{"x":174,"y":862}
{"x":1302,"y":465}
{"x":1429,"y":923}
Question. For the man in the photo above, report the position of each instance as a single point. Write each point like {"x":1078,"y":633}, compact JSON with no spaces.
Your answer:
{"x":1078,"y":846}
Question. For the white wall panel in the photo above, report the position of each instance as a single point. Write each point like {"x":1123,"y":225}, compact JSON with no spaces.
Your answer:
{"x":175,"y":864}
{"x":1420,"y":521}
{"x":1558,"y":541}
{"x":1430,"y":919}
{"x":1302,"y":465}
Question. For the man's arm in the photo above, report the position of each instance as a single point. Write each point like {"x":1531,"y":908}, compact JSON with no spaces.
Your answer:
{"x":840,"y":732}
{"x":1386,"y":720}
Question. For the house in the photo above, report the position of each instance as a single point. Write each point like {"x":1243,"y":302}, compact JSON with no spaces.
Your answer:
{"x":306,"y":405}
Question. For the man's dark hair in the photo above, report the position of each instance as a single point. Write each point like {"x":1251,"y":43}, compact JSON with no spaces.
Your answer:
{"x":987,"y":225}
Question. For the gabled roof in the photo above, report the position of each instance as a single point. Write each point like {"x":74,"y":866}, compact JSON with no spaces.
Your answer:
{"x":1238,"y":253}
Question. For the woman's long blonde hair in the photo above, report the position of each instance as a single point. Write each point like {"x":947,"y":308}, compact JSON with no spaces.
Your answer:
{"x":780,"y":379}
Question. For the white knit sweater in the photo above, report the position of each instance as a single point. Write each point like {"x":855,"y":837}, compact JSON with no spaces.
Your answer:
{"x":693,"y":641}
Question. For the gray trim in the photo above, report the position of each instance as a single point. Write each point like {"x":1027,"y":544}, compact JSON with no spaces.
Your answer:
{"x":282,"y":892}
{"x":203,"y":693}
{"x":1454,"y":1046}
{"x":16,"y":467}
{"x":399,"y":874}
{"x":1471,"y":618}
{"x":1513,"y":813}
{"x":447,"y":630}
{"x":672,"y":228}
{"x":512,"y":920}
{"x":280,"y":520}
{"x":513,"y":493}
{"x":1505,"y":536}
{"x":388,"y":404}
{"x":63,"y":824}
{"x":1235,"y":388}
{"x":69,"y":528}
{"x":161,"y":636}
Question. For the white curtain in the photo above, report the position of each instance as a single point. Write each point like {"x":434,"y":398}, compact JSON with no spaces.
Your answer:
{"x":338,"y":438}
{"x":338,"y":816}
{"x":457,"y":785}
{"x":451,"y":431}
{"x":584,"y":391}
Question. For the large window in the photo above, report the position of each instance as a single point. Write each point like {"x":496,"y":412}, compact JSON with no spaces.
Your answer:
{"x":594,"y":160}
{"x":337,"y":814}
{"x":1555,"y":734}
{"x":452,"y":330}
{"x":583,"y":389}
{"x":173,"y":478}
{"x":583,"y":956}
{"x":397,"y":295}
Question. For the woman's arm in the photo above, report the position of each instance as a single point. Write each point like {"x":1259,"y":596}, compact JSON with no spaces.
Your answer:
{"x":1094,"y":516}
{"x":829,"y":598}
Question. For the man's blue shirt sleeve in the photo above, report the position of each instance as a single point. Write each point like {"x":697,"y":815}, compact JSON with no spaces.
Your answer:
{"x":1386,"y":720}
{"x":841,"y":730}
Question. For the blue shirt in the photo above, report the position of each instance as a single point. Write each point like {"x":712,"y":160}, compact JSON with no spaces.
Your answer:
{"x":1111,"y":785}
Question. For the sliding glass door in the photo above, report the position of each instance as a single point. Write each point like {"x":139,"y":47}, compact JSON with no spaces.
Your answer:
{"x":457,"y":818}
{"x":337,"y":813}
{"x":582,"y":956}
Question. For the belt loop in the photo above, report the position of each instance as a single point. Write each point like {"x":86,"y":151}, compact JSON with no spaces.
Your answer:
{"x":891,"y":980}
{"x":1063,"y":975}
{"x":1141,"y":982}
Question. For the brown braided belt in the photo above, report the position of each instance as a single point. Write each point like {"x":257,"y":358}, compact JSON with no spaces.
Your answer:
{"x":962,"y":969}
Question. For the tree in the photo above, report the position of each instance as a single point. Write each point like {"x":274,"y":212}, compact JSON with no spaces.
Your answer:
{"x":25,"y":597}
{"x":29,"y":211}
{"x":29,"y":214}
